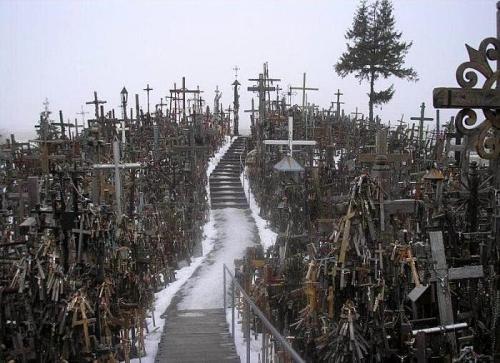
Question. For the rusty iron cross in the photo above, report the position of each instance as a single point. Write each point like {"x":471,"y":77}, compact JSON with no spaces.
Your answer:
{"x":467,"y":98}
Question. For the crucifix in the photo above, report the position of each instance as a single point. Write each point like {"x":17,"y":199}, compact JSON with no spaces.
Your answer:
{"x":117,"y":166}
{"x":81,"y":113}
{"x":147,"y":89}
{"x":96,"y":102}
{"x":421,"y":119}
{"x":236,"y":69}
{"x":236,"y":105}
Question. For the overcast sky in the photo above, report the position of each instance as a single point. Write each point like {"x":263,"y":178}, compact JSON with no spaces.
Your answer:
{"x":64,"y":50}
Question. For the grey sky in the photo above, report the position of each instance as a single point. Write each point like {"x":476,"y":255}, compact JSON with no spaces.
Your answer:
{"x":64,"y":50}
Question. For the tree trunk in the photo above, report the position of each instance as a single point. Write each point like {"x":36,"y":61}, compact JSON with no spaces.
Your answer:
{"x":372,"y":91}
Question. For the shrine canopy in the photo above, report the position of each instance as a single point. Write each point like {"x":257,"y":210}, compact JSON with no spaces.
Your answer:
{"x":288,"y":165}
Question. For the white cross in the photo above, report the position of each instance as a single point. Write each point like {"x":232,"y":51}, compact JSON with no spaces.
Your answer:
{"x":290,"y":142}
{"x":122,"y":128}
{"x":117,"y":166}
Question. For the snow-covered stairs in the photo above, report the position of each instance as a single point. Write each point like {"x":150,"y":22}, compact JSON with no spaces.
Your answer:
{"x":197,"y":336}
{"x":226,"y":190}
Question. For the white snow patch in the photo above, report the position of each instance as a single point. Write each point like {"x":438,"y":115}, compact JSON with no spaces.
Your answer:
{"x":164,"y":297}
{"x":240,"y":342}
{"x":266,"y":234}
{"x":236,"y":232}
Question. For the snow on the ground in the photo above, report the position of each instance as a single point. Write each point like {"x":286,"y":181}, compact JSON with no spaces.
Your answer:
{"x":235,"y":232}
{"x":164,"y":297}
{"x":239,"y":340}
{"x":267,"y":236}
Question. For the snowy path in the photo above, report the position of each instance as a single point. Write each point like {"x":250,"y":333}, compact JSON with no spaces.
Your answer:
{"x":236,"y":230}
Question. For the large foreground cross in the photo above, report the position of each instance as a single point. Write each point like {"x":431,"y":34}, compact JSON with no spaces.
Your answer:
{"x":290,"y":141}
{"x":117,"y":166}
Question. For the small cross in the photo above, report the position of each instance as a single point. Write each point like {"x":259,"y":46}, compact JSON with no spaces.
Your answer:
{"x":236,"y":69}
{"x":338,"y":94}
{"x":81,"y":113}
{"x":421,"y":120}
{"x":123,"y":129}
{"x":147,"y":89}
{"x":46,"y":105}
{"x":96,"y":102}
{"x":356,"y":113}
{"x":304,"y":89}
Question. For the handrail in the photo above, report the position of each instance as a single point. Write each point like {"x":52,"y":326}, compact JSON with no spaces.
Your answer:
{"x":251,"y":306}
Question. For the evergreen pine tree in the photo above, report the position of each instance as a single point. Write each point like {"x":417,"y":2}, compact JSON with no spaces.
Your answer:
{"x":375,"y":50}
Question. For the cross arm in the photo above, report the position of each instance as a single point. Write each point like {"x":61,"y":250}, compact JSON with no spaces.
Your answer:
{"x":120,"y":166}
{"x":466,"y":98}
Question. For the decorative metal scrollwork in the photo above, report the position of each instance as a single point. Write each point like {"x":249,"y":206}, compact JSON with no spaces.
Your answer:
{"x":466,"y":121}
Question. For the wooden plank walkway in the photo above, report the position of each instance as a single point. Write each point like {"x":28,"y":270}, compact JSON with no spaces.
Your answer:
{"x":196,"y":336}
{"x":202,"y":335}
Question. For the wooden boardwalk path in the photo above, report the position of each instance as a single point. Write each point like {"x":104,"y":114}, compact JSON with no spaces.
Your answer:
{"x":202,"y":335}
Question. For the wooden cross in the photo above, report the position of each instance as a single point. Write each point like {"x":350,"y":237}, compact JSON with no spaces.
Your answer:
{"x":338,"y":94}
{"x":381,"y":150}
{"x":261,"y":89}
{"x":304,"y":89}
{"x":421,"y":119}
{"x":117,"y":166}
{"x":252,"y":110}
{"x":356,"y":113}
{"x":290,"y":94}
{"x":183,"y":91}
{"x":441,"y":275}
{"x":147,"y":89}
{"x":290,"y":141}
{"x":96,"y":102}
{"x":82,"y":113}
{"x":123,"y":130}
